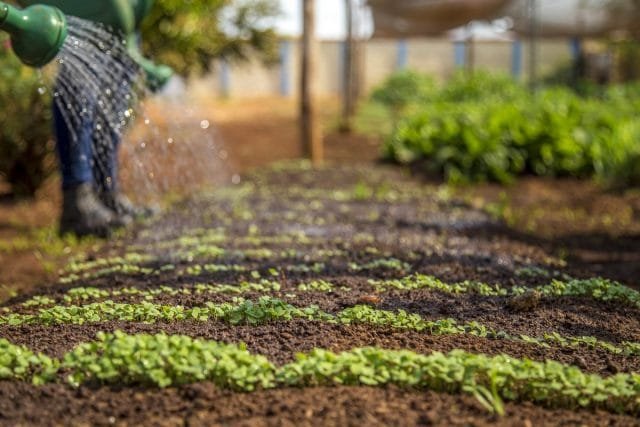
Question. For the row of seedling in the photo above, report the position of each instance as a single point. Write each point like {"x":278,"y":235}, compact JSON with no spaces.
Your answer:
{"x":596,"y":288}
{"x":268,"y":309}
{"x":162,"y":361}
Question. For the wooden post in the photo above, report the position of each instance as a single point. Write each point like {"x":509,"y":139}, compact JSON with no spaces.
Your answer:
{"x":348,"y":91}
{"x":469,"y":49}
{"x":312,"y":144}
{"x":532,"y":11}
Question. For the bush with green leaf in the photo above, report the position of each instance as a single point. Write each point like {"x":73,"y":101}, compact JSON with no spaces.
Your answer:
{"x":189,"y":35}
{"x":403,"y":89}
{"x":26,"y":144}
{"x":483,"y":128}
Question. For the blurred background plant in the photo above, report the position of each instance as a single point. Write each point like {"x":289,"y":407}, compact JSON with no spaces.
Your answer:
{"x":487,"y":127}
{"x":26,"y":148}
{"x":189,"y":35}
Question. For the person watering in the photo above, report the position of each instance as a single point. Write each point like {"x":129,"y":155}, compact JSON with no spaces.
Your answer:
{"x":86,"y":140}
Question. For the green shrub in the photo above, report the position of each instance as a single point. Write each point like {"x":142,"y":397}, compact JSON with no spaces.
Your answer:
{"x":25,"y":126}
{"x":403,"y":89}
{"x":479,"y":86}
{"x":490,"y":128}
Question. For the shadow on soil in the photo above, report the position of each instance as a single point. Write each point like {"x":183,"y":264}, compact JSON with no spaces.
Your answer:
{"x":587,"y":254}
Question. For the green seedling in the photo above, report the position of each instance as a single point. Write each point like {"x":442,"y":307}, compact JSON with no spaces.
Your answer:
{"x":162,"y":360}
{"x":268,"y":309}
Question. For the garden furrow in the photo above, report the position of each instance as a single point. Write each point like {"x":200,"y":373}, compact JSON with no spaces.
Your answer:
{"x":204,"y":404}
{"x":268,"y":309}
{"x":283,"y":340}
{"x":399,"y":288}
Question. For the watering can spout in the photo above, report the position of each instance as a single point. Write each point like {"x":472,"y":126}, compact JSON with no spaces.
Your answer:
{"x":37,"y":32}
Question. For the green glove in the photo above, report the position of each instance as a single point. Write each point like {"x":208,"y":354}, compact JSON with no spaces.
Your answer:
{"x":157,"y":75}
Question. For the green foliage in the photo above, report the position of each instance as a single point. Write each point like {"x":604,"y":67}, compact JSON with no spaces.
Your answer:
{"x":381,"y":264}
{"x":267,"y":309}
{"x":316,"y":285}
{"x":85,"y":294}
{"x":162,"y":360}
{"x":421,"y":281}
{"x":403,"y":89}
{"x":20,"y":363}
{"x":26,"y":145}
{"x":239,"y":311}
{"x":490,"y":128}
{"x":189,"y":35}
{"x":479,"y":87}
{"x":597,"y":288}
{"x":490,"y":379}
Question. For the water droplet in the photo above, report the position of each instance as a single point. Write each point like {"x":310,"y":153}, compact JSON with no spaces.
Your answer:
{"x":204,"y":124}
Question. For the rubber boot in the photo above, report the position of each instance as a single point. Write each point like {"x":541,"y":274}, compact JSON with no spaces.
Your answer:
{"x":122,"y":206}
{"x":84,"y":215}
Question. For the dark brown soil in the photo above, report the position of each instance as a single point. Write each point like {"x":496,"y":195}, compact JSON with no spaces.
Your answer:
{"x":204,"y":405}
{"x":380,"y":224}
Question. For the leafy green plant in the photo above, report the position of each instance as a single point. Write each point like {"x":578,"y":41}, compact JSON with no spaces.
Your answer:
{"x":236,"y":312}
{"x":403,"y":89}
{"x":597,"y":288}
{"x":490,"y":379}
{"x":20,"y":363}
{"x":268,"y":309}
{"x":490,"y":128}
{"x":26,"y":150}
{"x":162,"y":360}
{"x":188,"y":36}
{"x":382,"y":264}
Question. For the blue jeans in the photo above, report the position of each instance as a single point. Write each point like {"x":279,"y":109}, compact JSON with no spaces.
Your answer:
{"x":88,"y":158}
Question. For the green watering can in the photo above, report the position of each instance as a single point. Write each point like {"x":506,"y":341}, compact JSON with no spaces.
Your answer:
{"x":39,"y":31}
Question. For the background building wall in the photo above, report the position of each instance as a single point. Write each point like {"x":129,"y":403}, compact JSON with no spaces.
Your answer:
{"x":439,"y":57}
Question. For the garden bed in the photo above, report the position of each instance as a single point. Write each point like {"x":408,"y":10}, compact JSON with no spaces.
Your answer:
{"x":340,"y":259}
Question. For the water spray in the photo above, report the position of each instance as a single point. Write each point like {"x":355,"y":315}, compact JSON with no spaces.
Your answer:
{"x":39,"y":31}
